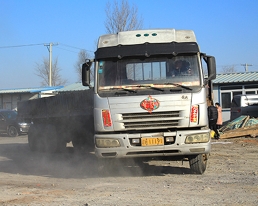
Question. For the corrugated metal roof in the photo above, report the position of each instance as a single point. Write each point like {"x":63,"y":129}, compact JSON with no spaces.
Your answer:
{"x":73,"y":87}
{"x":236,"y":77}
{"x":30,"y":90}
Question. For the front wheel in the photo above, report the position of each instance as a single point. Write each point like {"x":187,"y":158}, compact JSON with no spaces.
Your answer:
{"x":198,"y":163}
{"x":80,"y":144}
{"x":50,"y":138}
{"x":12,"y":131}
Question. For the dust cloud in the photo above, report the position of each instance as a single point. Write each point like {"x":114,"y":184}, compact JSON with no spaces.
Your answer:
{"x":16,"y":158}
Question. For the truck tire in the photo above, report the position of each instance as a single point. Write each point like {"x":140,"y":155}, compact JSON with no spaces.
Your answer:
{"x":12,"y":131}
{"x":52,"y":142}
{"x":32,"y":138}
{"x":108,"y":166}
{"x":79,"y":144}
{"x":61,"y":145}
{"x":198,"y":163}
{"x":50,"y":139}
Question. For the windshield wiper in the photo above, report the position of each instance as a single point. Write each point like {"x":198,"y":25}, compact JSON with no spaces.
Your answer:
{"x":148,"y":86}
{"x":129,"y":90}
{"x":178,"y":85}
{"x":125,"y":89}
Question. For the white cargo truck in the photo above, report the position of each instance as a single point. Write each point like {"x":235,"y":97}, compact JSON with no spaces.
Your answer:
{"x":150,"y":96}
{"x":149,"y":100}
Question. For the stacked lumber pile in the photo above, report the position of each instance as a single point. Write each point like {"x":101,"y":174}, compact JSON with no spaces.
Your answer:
{"x":242,"y":126}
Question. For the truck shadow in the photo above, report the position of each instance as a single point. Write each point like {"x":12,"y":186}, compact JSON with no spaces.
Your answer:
{"x":16,"y":158}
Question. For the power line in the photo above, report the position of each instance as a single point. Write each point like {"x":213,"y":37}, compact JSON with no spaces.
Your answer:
{"x":23,"y":45}
{"x":75,"y":47}
{"x":26,"y":45}
{"x":66,"y":49}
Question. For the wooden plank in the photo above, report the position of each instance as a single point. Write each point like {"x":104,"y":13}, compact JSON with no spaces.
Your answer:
{"x":240,"y":132}
{"x":245,"y":121}
{"x":230,"y":125}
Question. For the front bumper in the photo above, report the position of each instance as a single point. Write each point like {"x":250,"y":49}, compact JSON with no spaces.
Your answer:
{"x":24,"y":129}
{"x":177,"y":148}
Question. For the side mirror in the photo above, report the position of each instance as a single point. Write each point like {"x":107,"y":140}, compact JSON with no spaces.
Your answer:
{"x":86,"y":73}
{"x":211,"y":65}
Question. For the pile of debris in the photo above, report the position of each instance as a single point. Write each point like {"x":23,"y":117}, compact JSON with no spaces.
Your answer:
{"x":242,"y":126}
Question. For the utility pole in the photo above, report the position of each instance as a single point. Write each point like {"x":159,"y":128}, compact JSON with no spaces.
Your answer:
{"x":49,"y":47}
{"x":246,"y":66}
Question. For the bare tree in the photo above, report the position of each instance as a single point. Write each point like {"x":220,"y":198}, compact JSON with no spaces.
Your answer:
{"x":42,"y":71}
{"x":82,"y":56}
{"x":122,"y":17}
{"x":228,"y":69}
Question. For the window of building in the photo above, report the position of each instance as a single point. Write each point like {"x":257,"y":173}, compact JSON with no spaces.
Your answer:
{"x":250,"y":92}
{"x":236,"y":93}
{"x":230,"y":87}
{"x":251,"y":86}
{"x":226,"y":99}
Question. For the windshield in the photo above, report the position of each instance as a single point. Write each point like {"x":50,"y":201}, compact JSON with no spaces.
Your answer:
{"x":146,"y":73}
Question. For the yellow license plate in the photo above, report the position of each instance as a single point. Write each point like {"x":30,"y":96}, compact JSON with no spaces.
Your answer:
{"x":152,"y":141}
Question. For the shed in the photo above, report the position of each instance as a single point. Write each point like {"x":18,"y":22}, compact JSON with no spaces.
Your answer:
{"x":10,"y":97}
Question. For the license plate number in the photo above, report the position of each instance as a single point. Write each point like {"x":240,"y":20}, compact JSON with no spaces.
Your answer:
{"x":152,"y":141}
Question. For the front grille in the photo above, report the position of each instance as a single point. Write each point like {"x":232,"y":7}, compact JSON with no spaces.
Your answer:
{"x":150,"y":120}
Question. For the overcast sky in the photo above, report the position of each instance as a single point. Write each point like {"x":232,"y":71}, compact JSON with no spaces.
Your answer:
{"x":226,"y":29}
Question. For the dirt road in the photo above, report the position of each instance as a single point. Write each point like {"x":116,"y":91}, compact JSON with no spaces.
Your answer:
{"x":34,"y":179}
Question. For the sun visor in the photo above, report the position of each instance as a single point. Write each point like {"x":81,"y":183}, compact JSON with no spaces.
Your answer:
{"x":146,"y":49}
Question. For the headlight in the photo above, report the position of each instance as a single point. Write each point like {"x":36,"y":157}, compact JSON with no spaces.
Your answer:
{"x":197,"y":138}
{"x":23,"y":124}
{"x":106,"y":143}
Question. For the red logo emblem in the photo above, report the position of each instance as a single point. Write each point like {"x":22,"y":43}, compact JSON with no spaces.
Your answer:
{"x":150,"y":104}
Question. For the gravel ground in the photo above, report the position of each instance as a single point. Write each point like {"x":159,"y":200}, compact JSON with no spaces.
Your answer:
{"x":34,"y":179}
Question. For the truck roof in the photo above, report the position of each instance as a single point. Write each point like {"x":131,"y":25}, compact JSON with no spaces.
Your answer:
{"x":143,"y":36}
